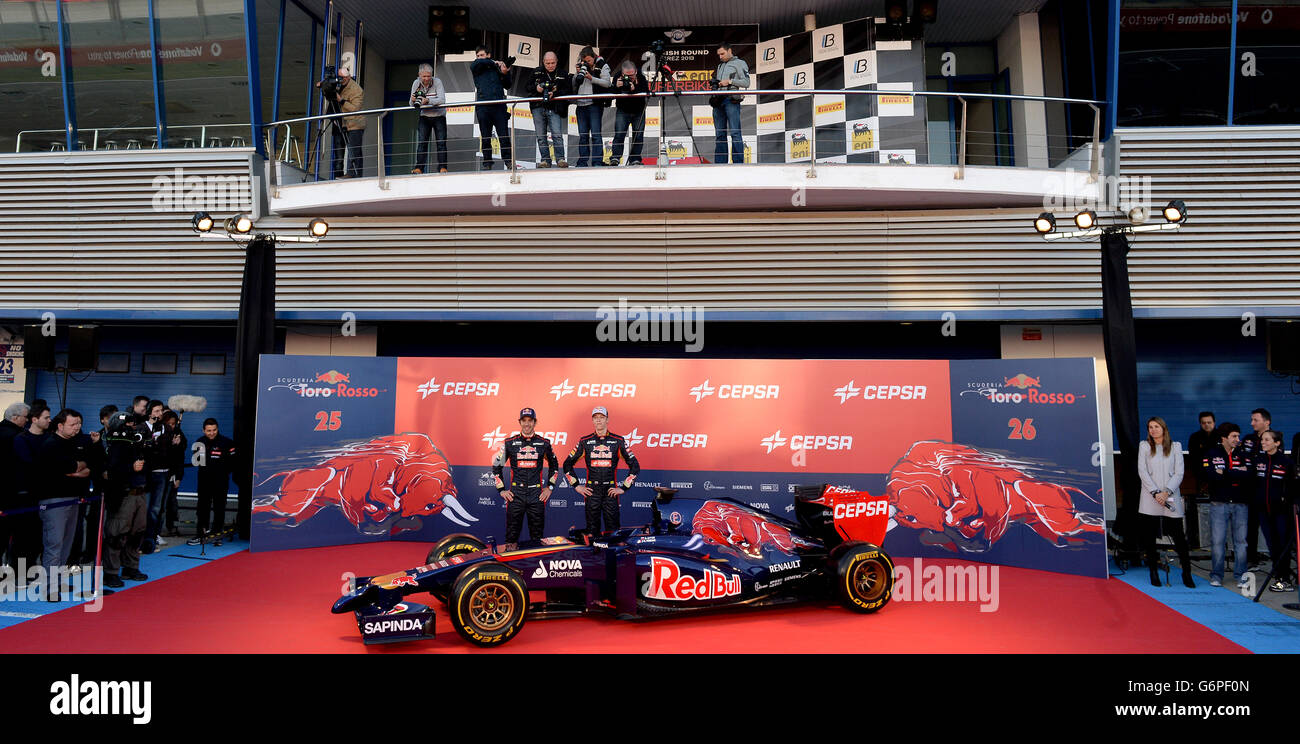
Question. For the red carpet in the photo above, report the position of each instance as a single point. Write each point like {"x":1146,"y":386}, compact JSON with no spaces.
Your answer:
{"x":279,"y":602}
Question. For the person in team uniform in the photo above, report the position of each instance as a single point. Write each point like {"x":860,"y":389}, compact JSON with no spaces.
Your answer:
{"x":602,"y":448}
{"x":528,"y":490}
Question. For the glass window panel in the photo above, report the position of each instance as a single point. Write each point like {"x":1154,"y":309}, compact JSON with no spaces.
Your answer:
{"x":31,"y":90}
{"x":1268,"y":63}
{"x":112,"y":75}
{"x":205,"y":72}
{"x":1173,"y":62}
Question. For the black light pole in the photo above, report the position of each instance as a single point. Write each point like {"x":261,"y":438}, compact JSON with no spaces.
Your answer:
{"x":254,"y":336}
{"x":1119,"y":339}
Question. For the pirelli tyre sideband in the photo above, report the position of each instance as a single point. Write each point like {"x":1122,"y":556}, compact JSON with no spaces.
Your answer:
{"x":864,"y":576}
{"x":459,"y":543}
{"x":488,"y":604}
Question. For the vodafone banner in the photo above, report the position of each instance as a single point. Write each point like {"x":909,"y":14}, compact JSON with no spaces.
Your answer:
{"x":986,"y":460}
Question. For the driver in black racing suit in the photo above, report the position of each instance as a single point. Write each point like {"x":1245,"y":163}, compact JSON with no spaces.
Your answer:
{"x":602,"y":449}
{"x":526,"y":493}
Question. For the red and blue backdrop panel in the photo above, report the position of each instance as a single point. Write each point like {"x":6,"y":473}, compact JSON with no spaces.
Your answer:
{"x":989,"y":460}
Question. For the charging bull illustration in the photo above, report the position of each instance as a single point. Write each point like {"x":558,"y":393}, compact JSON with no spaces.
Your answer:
{"x":738,"y":531}
{"x":384,"y":485}
{"x":968,"y":499}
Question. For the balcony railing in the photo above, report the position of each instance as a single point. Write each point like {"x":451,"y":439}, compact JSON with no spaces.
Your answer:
{"x":136,"y":138}
{"x":992,"y":144}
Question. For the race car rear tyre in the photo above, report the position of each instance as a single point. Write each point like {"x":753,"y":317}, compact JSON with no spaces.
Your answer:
{"x":454,"y":544}
{"x":864,"y":576}
{"x":488,"y":604}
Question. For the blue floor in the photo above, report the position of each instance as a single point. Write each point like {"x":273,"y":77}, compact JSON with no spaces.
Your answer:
{"x":171,"y":560}
{"x":1224,"y":610}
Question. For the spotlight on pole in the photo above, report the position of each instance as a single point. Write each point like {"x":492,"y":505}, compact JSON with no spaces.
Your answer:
{"x":1085,"y":220}
{"x":240,"y":223}
{"x":1176,"y":211}
{"x":202,"y":222}
{"x":318,"y":228}
{"x":1045,"y":223}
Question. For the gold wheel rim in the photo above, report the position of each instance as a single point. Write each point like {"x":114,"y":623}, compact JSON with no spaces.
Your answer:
{"x":869,"y":580}
{"x":490,"y":607}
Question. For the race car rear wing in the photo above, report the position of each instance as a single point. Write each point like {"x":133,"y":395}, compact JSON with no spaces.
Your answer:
{"x":838,"y":515}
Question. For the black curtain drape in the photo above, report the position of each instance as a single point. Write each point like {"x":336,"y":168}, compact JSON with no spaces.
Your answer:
{"x":255,"y":335}
{"x":1120,"y":339}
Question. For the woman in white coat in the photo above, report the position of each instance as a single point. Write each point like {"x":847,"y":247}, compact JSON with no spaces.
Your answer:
{"x":1161,"y":507}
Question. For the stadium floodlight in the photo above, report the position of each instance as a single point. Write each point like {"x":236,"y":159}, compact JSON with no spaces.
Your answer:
{"x":202,"y":222}
{"x":1045,"y":223}
{"x":1085,"y":220}
{"x":318,"y":228}
{"x":1176,"y":211}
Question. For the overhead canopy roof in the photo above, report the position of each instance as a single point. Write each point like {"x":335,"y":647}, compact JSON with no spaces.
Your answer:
{"x":396,"y":28}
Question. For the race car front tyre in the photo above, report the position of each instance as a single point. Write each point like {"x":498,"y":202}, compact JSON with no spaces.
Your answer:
{"x":456,"y":544}
{"x":488,"y":604}
{"x":864,"y":576}
{"x":459,"y":543}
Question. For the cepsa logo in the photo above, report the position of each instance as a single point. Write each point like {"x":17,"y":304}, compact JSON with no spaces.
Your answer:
{"x":735,"y":391}
{"x":1009,"y":391}
{"x":667,"y":582}
{"x":595,"y":389}
{"x":807,"y":441}
{"x":663,"y":439}
{"x":458,"y":388}
{"x":319,"y":386}
{"x":850,"y":391}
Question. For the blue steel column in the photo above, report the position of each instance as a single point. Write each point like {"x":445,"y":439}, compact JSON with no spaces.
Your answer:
{"x":65,"y":69}
{"x":279,"y":64}
{"x":159,"y":105}
{"x":1232,"y":64}
{"x":254,"y":76}
{"x":1112,"y":71}
{"x":324,"y":61}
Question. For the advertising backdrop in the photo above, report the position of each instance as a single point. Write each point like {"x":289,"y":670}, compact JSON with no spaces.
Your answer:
{"x":985,"y":460}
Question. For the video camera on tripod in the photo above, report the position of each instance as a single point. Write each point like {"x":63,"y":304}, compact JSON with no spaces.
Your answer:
{"x":128,"y":428}
{"x":330,"y":83}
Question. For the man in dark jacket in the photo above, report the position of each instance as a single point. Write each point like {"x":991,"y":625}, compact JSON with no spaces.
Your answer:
{"x":490,"y":81}
{"x":63,"y":471}
{"x":14,"y":423}
{"x":630,"y":112}
{"x":216,"y":457}
{"x":550,"y":117}
{"x":178,"y":448}
{"x":1260,"y":421}
{"x":27,"y":528}
{"x":1228,"y":471}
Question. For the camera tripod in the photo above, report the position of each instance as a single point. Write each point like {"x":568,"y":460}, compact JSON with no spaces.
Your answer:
{"x":335,"y":127}
{"x":1283,"y":565}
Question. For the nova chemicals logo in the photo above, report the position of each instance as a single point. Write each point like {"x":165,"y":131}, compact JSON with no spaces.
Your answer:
{"x":563,"y":568}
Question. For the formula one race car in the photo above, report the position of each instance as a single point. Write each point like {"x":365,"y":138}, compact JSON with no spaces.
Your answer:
{"x":696,"y":554}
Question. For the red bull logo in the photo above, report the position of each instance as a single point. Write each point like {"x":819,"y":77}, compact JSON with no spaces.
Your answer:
{"x":333,"y":377}
{"x":1022,"y":381}
{"x":668,"y":582}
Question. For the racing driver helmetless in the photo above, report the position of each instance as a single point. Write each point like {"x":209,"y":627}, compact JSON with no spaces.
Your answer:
{"x":528,"y":490}
{"x":602,"y":449}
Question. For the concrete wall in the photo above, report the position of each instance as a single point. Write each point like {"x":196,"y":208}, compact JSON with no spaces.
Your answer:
{"x":1021,"y":54}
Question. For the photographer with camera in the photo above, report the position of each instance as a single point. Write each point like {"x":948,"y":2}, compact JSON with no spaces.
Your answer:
{"x":592,"y":74}
{"x":491,"y":78}
{"x":732,"y":74}
{"x":344,"y":94}
{"x":551,"y":117}
{"x":125,"y":495}
{"x":630,"y":112}
{"x":427,"y":91}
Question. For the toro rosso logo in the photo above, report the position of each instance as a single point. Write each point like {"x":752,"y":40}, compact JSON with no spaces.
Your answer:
{"x":341,"y":389}
{"x":1022,"y":381}
{"x":667,"y":582}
